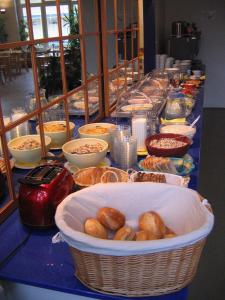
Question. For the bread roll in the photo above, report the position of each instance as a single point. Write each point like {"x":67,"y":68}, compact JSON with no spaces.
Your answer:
{"x":141,"y":235}
{"x":152,"y":222}
{"x":144,"y":235}
{"x":169,"y":233}
{"x":125,"y":234}
{"x":111,"y":218}
{"x":94,"y":228}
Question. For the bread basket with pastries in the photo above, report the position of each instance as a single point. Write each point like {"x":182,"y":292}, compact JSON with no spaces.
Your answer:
{"x":143,"y":239}
{"x":93,"y":175}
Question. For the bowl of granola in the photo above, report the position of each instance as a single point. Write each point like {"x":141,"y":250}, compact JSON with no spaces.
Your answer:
{"x":167,"y":144}
{"x":27,"y":148}
{"x":85,"y":152}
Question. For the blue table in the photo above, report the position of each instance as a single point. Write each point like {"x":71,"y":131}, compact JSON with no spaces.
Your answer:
{"x":37,"y":262}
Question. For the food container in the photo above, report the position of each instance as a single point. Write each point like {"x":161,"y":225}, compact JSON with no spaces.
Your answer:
{"x":58,"y":136}
{"x":165,"y":152}
{"x":88,"y":159}
{"x":130,"y":268}
{"x":87,"y":131}
{"x":29,"y":155}
{"x":185,"y":130}
{"x":170,"y":178}
{"x":93,"y":175}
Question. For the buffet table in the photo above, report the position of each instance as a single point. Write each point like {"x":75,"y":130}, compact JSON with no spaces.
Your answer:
{"x":31,"y":267}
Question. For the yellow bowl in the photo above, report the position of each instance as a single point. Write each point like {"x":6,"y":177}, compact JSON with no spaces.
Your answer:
{"x":58,"y":137}
{"x":28,"y":155}
{"x":84,"y":160}
{"x":103,"y":136}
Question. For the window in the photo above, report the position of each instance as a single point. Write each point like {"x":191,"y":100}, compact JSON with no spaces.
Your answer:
{"x":36,"y":20}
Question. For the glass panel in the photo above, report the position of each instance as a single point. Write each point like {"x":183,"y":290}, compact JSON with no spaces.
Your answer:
{"x":51,"y":20}
{"x":120,"y":15}
{"x":70,"y":22}
{"x":89,"y":18}
{"x":111,"y":51}
{"x":110,"y":14}
{"x":36,"y":21}
{"x":93,"y":97}
{"x":91,"y":55}
{"x":72,"y":57}
{"x":128,"y":13}
{"x":64,"y":16}
{"x":16,"y":78}
{"x":49,"y":69}
{"x":121,"y":48}
{"x":135,"y":12}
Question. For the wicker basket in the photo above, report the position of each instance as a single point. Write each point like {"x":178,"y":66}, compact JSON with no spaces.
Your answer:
{"x":138,"y":275}
{"x":135,"y":275}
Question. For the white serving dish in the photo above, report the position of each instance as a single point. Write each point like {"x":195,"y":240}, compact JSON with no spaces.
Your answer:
{"x":170,"y":178}
{"x":182,"y":129}
{"x":103,"y":136}
{"x":31,"y":155}
{"x":84,"y":160}
{"x":58,"y":137}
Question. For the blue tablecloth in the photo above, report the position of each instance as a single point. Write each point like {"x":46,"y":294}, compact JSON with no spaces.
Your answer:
{"x":36,"y":261}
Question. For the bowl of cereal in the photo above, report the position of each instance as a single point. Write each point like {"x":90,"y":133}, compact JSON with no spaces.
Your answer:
{"x":56,"y":130}
{"x":27,"y":148}
{"x":97,"y":130}
{"x":86,"y":152}
{"x":167,"y":144}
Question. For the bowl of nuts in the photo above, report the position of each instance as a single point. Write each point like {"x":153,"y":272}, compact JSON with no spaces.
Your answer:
{"x":85,"y":152}
{"x":167,"y":144}
{"x":27,"y":148}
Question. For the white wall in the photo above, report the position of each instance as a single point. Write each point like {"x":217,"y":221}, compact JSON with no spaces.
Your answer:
{"x":209,"y":15}
{"x":11,"y":24}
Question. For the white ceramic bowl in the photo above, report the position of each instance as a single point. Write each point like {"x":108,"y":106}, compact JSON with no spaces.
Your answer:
{"x":58,"y":137}
{"x":84,"y":160}
{"x":27,"y":156}
{"x":185,"y":130}
{"x":103,"y":136}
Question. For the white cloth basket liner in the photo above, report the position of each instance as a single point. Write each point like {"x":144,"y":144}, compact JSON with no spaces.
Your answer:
{"x":179,"y":207}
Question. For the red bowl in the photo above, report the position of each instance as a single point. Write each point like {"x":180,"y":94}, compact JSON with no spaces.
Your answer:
{"x":174,"y":152}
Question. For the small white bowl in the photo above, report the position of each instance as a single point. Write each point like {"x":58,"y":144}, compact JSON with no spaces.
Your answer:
{"x":58,"y":137}
{"x":183,"y":129}
{"x":27,"y":156}
{"x":84,"y":160}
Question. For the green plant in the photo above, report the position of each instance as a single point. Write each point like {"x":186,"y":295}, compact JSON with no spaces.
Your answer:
{"x":50,"y":77}
{"x":23,"y":30}
{"x":3,"y":34}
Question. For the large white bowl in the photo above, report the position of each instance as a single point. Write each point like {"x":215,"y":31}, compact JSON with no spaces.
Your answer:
{"x":84,"y":160}
{"x":27,"y":156}
{"x":103,"y":136}
{"x":58,"y":137}
{"x":186,"y":130}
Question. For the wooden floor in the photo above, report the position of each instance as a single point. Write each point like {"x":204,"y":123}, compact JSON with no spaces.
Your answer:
{"x":209,"y":283}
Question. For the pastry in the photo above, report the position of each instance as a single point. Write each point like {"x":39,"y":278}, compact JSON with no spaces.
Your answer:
{"x":94,"y":228}
{"x":152,"y":222}
{"x":169,"y":233}
{"x":141,"y":235}
{"x":150,"y":177}
{"x":125,"y":234}
{"x":154,"y":163}
{"x":111,"y":218}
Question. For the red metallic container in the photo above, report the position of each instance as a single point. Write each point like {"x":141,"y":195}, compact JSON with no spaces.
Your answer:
{"x":41,"y":190}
